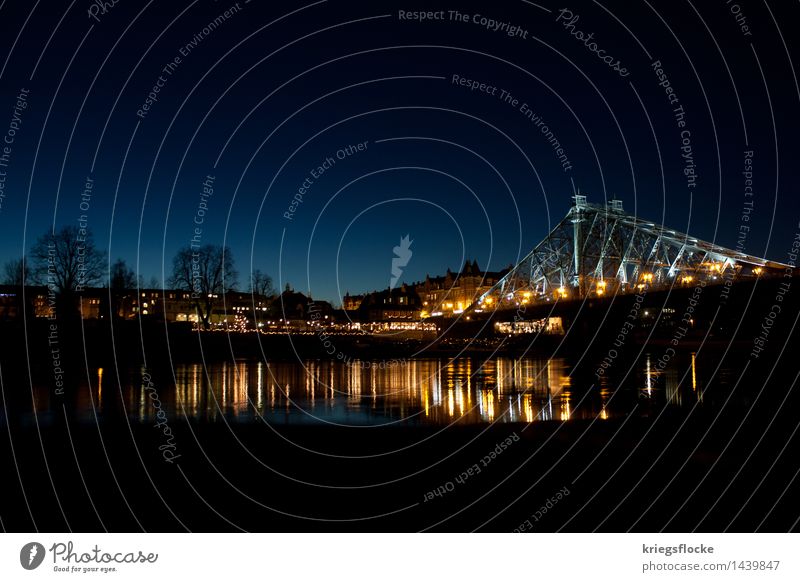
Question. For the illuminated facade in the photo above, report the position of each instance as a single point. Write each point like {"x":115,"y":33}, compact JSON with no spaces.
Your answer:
{"x":454,"y":292}
{"x":159,"y":304}
{"x":399,"y":304}
{"x":351,"y":302}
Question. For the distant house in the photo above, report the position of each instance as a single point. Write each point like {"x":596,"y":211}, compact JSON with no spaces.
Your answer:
{"x":292,"y":305}
{"x":39,"y":304}
{"x":399,"y":304}
{"x":234,"y":308}
{"x":351,"y":302}
{"x":452,"y":293}
{"x":11,"y":301}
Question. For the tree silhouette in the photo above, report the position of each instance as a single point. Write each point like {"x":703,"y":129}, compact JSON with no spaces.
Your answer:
{"x":122,"y":281}
{"x":261,"y":283}
{"x":66,"y":262}
{"x":14,"y":273}
{"x":121,"y":277}
{"x":205,"y":272}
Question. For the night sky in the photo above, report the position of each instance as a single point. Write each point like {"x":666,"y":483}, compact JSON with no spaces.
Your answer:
{"x":261,"y":99}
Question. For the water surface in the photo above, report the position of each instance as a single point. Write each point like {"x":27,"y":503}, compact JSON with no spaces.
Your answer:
{"x":419,"y":391}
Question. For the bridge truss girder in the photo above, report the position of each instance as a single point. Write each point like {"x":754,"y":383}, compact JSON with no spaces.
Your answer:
{"x":616,"y":253}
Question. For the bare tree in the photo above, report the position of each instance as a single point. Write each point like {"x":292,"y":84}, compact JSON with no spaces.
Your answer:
{"x":206,"y":272}
{"x":153,"y":283}
{"x":122,"y":282}
{"x":261,"y":284}
{"x":261,"y":287}
{"x":68,"y":260}
{"x":14,"y":273}
{"x":121,"y":277}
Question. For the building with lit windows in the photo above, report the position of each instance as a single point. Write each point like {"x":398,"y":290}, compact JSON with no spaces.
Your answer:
{"x":452,"y":293}
{"x":399,"y":304}
{"x":240,"y":309}
{"x":351,"y":302}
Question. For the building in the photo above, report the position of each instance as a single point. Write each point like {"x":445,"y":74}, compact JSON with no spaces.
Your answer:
{"x":40,"y":305}
{"x":234,"y":309}
{"x":242,"y":310}
{"x":398,"y":304}
{"x":452,"y":293}
{"x":351,"y":302}
{"x":11,"y":301}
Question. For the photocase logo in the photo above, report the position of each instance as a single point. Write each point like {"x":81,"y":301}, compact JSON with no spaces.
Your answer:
{"x":31,"y":555}
{"x":403,"y":254}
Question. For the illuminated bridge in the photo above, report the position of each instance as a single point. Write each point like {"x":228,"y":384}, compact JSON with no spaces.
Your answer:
{"x":601,"y":250}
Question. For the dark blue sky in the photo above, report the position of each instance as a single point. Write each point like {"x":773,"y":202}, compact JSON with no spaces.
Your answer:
{"x":260,"y":106}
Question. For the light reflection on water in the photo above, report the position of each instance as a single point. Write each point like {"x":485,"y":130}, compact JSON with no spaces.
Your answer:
{"x":422,"y":391}
{"x":418,"y":391}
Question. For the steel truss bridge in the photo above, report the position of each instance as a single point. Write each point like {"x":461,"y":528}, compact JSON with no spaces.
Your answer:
{"x":601,"y":250}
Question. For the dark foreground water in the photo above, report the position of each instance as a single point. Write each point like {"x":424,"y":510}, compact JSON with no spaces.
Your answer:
{"x":414,"y":392}
{"x":279,"y":446}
